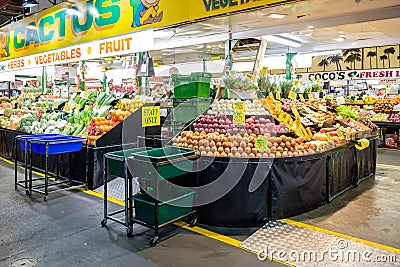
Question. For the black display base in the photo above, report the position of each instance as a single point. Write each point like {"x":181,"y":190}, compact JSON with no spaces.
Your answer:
{"x":291,"y":187}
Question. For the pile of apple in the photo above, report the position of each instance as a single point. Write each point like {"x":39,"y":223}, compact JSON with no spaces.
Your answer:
{"x":214,"y":123}
{"x":243,"y":146}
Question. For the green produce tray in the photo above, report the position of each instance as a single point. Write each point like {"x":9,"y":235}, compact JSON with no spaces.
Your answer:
{"x":116,"y":160}
{"x":144,"y":163}
{"x":167,"y":211}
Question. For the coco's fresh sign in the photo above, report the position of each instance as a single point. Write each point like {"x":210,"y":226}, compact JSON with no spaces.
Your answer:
{"x":353,"y":74}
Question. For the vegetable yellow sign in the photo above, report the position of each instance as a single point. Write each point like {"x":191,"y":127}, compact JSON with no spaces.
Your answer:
{"x":150,"y":116}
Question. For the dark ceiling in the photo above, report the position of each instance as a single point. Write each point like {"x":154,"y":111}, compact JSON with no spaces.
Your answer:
{"x":10,"y":9}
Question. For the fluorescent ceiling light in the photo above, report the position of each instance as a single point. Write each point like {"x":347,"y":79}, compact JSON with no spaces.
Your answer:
{"x":276,"y":16}
{"x":340,"y":39}
{"x":323,"y":53}
{"x":281,"y":40}
{"x":310,"y":27}
{"x":30,"y":3}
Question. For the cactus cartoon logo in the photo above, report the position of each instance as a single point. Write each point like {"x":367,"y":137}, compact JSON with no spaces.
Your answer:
{"x":4,"y":45}
{"x":145,"y":12}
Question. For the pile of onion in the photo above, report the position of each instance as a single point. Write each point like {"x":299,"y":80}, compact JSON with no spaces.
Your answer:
{"x":243,"y":145}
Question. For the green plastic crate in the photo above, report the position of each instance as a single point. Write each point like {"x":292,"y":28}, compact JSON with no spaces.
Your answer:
{"x":186,"y":110}
{"x":183,"y":88}
{"x":201,"y":83}
{"x":167,"y":211}
{"x":116,"y":163}
{"x":143,"y":163}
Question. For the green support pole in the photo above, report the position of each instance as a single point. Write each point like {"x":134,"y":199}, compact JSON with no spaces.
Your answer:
{"x":104,"y":82}
{"x":44,"y":79}
{"x":83,"y":76}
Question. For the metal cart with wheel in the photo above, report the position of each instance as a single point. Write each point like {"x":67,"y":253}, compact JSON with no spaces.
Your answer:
{"x":115,"y":166}
{"x":47,"y":145}
{"x":157,"y":206}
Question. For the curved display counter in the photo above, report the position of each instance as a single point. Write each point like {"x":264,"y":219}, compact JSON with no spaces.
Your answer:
{"x":288,"y":186}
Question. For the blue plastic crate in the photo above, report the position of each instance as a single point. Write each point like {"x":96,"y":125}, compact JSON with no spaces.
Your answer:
{"x":24,"y":139}
{"x":57,"y":144}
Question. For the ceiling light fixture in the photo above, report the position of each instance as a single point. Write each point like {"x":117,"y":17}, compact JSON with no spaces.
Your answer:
{"x":281,"y":40}
{"x":340,"y":39}
{"x":30,"y":3}
{"x":310,"y":27}
{"x":276,"y":16}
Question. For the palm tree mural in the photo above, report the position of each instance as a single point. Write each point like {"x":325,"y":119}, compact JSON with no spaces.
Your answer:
{"x":352,"y":59}
{"x":398,"y":58}
{"x":388,"y":52}
{"x":383,"y":58}
{"x":324,"y":63}
{"x":336,"y":59}
{"x":371,"y":54}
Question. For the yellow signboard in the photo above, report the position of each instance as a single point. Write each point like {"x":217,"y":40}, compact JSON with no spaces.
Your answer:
{"x":239,"y":118}
{"x":261,"y":144}
{"x":150,"y":116}
{"x":302,"y":98}
{"x":278,"y":95}
{"x":239,"y":106}
{"x":67,"y":24}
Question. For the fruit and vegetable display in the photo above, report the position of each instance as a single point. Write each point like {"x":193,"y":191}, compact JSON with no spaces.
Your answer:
{"x":384,"y":106}
{"x":396,"y":107}
{"x":239,"y":81}
{"x":369,"y":100}
{"x":227,"y":106}
{"x":222,"y":124}
{"x":287,"y":104}
{"x":130,"y":105}
{"x":347,"y":112}
{"x":380,"y":117}
{"x":365,"y":114}
{"x":244,"y":146}
{"x":394,"y":117}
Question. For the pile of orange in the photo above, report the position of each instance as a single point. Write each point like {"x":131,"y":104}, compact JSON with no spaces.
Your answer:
{"x":118,"y":115}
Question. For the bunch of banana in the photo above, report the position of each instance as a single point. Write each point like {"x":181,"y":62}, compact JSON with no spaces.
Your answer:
{"x":362,"y":144}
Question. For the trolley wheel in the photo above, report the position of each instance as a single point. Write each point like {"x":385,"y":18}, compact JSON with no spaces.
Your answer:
{"x":193,"y":222}
{"x":46,"y":198}
{"x":103,"y":222}
{"x":154,"y":242}
{"x":129,"y":231}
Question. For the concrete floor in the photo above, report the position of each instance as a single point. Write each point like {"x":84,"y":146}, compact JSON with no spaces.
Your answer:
{"x":66,"y":231}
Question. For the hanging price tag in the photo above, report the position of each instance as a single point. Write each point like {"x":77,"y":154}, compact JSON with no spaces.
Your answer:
{"x":42,"y":106}
{"x":271,"y":95}
{"x":310,"y":97}
{"x":292,"y":95}
{"x":329,"y":138}
{"x":77,"y":108}
{"x":302,"y":98}
{"x":264,"y":71}
{"x":278,"y":106}
{"x":278,"y":95}
{"x":239,"y":106}
{"x":295,"y":112}
{"x":261,"y":144}
{"x":55,"y":105}
{"x":239,"y":118}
